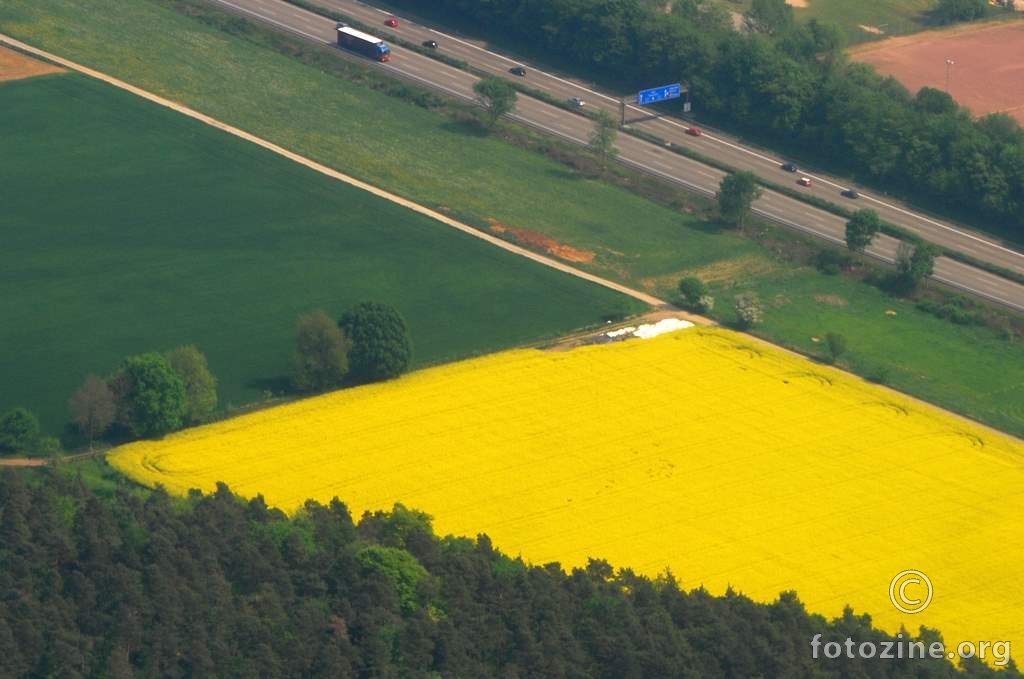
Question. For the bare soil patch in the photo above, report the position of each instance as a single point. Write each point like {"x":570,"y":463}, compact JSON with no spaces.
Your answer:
{"x":15,"y":66}
{"x":987,"y":70}
{"x":796,"y":3}
{"x":539,"y":241}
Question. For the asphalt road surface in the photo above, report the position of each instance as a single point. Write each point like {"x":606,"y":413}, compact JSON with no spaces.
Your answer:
{"x":640,"y":154}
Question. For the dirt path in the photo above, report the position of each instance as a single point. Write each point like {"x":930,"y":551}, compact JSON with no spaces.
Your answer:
{"x":23,"y":462}
{"x":323,"y":169}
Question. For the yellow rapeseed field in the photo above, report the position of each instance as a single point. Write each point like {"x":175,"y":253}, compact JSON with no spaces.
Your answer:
{"x":724,"y":459}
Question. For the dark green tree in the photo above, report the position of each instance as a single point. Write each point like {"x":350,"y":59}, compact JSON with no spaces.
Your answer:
{"x":836,"y":345}
{"x":496,"y":95}
{"x":200,"y":385}
{"x":862,"y":229}
{"x":19,"y":431}
{"x":694,"y":294}
{"x":913,"y":265}
{"x":381,"y":348}
{"x":771,"y":17}
{"x":321,"y":353}
{"x":952,"y":11}
{"x":150,"y":395}
{"x":736,"y":194}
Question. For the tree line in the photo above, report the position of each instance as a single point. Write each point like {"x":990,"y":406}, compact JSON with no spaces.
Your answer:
{"x":152,"y":394}
{"x":783,"y":82}
{"x":132,"y":584}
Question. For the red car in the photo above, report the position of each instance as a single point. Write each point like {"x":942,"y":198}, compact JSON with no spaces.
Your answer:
{"x":804,"y":181}
{"x":392,"y":22}
{"x":694,"y":131}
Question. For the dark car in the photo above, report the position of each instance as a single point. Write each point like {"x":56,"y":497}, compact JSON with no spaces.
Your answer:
{"x":517,"y":70}
{"x":789,"y":167}
{"x":432,"y":44}
{"x":849,"y":193}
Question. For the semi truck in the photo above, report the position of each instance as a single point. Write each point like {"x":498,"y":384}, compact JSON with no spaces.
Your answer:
{"x":363,"y":43}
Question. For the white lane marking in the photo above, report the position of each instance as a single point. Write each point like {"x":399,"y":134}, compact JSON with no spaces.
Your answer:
{"x":714,"y":138}
{"x":266,"y":19}
{"x":679,"y":180}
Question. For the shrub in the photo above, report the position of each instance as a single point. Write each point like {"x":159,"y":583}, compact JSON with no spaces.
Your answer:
{"x":749,"y":311}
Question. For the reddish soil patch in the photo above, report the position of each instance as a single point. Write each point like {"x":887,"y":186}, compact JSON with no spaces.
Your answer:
{"x":15,"y":66}
{"x":987,"y":73}
{"x":539,"y":241}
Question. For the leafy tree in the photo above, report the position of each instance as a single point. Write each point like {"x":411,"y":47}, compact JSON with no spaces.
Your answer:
{"x":770,"y":17}
{"x":399,"y":567}
{"x":380,"y":341}
{"x":496,"y":95}
{"x":862,"y":229}
{"x":749,"y":311}
{"x":19,"y":431}
{"x":321,"y":353}
{"x":914,"y":264}
{"x":602,"y":139}
{"x":695,"y":294}
{"x":150,"y":395}
{"x":836,"y":345}
{"x":200,"y":384}
{"x":736,"y":194}
{"x":952,"y":11}
{"x":93,"y":408}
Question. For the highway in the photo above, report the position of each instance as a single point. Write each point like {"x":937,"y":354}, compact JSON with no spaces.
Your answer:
{"x":642,"y":155}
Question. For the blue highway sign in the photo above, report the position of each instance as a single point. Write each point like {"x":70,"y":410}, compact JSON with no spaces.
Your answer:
{"x":656,"y":94}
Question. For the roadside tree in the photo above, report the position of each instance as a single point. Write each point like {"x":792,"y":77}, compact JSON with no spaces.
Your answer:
{"x":862,"y":229}
{"x":496,"y":95}
{"x":321,"y":353}
{"x":736,"y":194}
{"x":602,"y":139}
{"x":913,"y":265}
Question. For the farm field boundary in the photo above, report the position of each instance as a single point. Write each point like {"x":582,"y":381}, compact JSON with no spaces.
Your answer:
{"x":143,"y":229}
{"x":334,"y":174}
{"x":16,"y":66}
{"x":729,"y":461}
{"x":984,"y":73}
{"x":306,"y":99}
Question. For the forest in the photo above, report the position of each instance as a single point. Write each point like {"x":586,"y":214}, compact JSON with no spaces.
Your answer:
{"x":781,"y":82}
{"x":123,"y":582}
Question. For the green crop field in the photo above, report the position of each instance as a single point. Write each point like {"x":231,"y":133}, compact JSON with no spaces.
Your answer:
{"x":427,"y":157}
{"x":128,"y":228}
